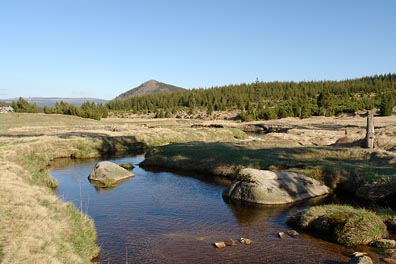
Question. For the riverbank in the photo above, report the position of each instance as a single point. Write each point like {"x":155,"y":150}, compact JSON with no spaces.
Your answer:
{"x":39,"y":227}
{"x":36,"y":226}
{"x":366,"y":174}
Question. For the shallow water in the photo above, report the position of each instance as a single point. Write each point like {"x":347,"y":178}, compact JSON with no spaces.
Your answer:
{"x":163,"y":217}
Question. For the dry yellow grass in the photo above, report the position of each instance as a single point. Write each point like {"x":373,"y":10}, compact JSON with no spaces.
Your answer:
{"x":325,"y":131}
{"x":36,"y":225}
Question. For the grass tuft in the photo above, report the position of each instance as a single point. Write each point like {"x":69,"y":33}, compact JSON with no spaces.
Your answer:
{"x":342,"y":223}
{"x":43,"y":178}
{"x":388,"y":215}
{"x":84,"y":231}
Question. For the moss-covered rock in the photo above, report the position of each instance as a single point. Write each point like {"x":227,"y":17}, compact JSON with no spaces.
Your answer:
{"x":343,"y":224}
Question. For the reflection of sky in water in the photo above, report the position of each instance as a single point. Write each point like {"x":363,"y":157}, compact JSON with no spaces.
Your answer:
{"x":157,"y":217}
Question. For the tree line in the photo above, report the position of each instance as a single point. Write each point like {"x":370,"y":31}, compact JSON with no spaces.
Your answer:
{"x":23,"y":106}
{"x":254,"y":101}
{"x":86,"y":110}
{"x":272,"y":100}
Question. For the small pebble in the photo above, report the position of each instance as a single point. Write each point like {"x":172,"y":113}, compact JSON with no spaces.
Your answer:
{"x":231,"y":243}
{"x":281,"y":235}
{"x":245,"y":241}
{"x":293,"y":233}
{"x":219,"y":245}
{"x":359,"y":254}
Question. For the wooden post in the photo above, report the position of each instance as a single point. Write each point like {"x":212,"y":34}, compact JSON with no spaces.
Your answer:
{"x":370,"y":131}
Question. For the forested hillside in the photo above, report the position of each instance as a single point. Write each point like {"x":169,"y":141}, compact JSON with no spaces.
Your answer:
{"x":263,"y":101}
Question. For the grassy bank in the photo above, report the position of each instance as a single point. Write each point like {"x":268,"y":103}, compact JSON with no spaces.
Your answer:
{"x":36,"y":226}
{"x":363,"y":172}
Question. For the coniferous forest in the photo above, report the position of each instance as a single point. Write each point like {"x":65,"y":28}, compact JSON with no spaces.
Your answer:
{"x":254,"y":101}
{"x":272,"y":100}
{"x":87,"y":110}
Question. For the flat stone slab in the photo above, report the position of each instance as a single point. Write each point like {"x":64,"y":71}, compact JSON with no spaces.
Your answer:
{"x":268,"y":187}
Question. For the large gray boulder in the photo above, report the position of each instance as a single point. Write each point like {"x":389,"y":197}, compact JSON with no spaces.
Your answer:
{"x":108,"y":174}
{"x":267,"y":187}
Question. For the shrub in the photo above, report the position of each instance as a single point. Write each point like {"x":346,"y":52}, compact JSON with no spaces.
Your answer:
{"x":23,"y":106}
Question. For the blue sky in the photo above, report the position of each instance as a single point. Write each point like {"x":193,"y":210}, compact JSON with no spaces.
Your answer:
{"x":101,"y":48}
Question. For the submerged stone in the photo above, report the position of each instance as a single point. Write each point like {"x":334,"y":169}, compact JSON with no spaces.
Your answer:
{"x":384,"y":243}
{"x":281,"y":235}
{"x":231,"y":243}
{"x":245,"y":241}
{"x":293,"y":233}
{"x":219,"y":245}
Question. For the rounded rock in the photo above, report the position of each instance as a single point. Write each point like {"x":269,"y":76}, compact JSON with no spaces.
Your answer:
{"x":108,"y":174}
{"x":267,"y":187}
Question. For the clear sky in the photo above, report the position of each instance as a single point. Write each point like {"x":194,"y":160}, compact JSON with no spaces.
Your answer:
{"x":101,"y":48}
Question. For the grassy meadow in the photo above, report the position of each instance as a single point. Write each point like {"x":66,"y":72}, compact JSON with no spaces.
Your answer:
{"x":37,"y":227}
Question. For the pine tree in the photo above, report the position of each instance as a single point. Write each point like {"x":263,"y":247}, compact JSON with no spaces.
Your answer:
{"x":23,"y":106}
{"x":386,"y":106}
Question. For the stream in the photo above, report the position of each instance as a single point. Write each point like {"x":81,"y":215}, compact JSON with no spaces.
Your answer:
{"x":164,"y":217}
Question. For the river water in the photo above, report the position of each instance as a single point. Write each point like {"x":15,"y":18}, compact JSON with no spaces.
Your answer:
{"x":163,"y":217}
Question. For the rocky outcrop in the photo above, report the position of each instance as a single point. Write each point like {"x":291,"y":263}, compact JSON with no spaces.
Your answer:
{"x":108,"y":174}
{"x":267,"y":187}
{"x":6,"y":109}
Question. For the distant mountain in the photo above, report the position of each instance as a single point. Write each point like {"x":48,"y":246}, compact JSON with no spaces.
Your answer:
{"x":150,"y":87}
{"x":50,"y":101}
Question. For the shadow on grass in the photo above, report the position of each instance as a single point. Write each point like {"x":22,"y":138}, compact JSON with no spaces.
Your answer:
{"x":122,"y":144}
{"x":21,"y":135}
{"x":337,"y":167}
{"x":217,"y":155}
{"x":82,"y":134}
{"x":107,"y":146}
